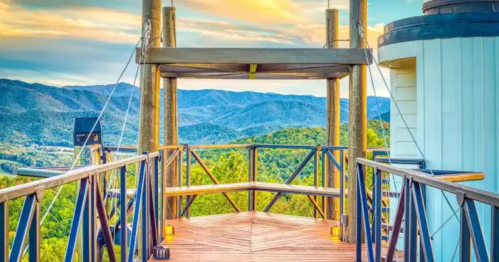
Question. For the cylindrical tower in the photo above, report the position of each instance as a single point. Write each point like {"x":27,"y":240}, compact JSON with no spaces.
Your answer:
{"x":444,"y":77}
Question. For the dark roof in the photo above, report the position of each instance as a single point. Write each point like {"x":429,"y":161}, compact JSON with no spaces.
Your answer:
{"x":85,"y":124}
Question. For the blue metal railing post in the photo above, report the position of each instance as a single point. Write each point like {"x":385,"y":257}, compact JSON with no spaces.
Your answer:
{"x":34,"y":231}
{"x":156,"y":191}
{"x":494,"y":235}
{"x":417,"y":200}
{"x":410,"y":226}
{"x":87,"y":235}
{"x":324,"y":184}
{"x":136,"y":212}
{"x":316,"y":174}
{"x":252,"y":170}
{"x":78,"y":216}
{"x":4,"y":230}
{"x":22,"y":228}
{"x":477,"y":237}
{"x":364,"y":212}
{"x":144,"y":211}
{"x":377,"y":231}
{"x":188,"y":178}
{"x":342,"y":192}
{"x":162,"y":183}
{"x":358,"y":224}
{"x":180,"y":180}
{"x":123,"y":213}
{"x":465,"y":237}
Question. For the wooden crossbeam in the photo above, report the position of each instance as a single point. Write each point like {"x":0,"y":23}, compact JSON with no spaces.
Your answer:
{"x":259,"y":186}
{"x":346,"y":56}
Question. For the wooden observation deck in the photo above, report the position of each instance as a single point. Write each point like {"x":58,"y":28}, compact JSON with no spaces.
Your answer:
{"x":256,"y":236}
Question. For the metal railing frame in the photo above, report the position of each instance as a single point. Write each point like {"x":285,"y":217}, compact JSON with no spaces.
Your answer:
{"x":90,"y":205}
{"x":416,"y":225}
{"x":89,"y":208}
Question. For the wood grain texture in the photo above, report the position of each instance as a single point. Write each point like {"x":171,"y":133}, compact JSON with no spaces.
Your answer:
{"x":346,"y":56}
{"x":259,"y":186}
{"x":256,"y":236}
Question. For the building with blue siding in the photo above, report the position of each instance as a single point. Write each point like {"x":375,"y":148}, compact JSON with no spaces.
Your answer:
{"x":444,"y":75}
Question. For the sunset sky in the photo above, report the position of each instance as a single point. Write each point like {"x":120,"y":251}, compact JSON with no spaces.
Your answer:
{"x":87,"y":42}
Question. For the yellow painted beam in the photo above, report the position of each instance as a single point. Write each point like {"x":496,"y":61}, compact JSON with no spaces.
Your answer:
{"x":463,"y":177}
{"x":252,"y":71}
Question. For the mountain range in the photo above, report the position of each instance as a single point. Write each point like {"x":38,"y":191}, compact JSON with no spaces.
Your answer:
{"x":36,"y":113}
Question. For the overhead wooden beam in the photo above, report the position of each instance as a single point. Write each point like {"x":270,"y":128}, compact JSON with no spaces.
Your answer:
{"x":357,"y":125}
{"x":349,"y":56}
{"x":245,"y":75}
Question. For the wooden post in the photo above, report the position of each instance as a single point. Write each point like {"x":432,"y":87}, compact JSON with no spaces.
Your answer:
{"x":170,"y":114}
{"x":333,"y":117}
{"x":357,"y":112}
{"x":149,"y":91}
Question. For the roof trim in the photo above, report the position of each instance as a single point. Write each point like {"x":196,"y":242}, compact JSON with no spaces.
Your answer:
{"x":440,"y":26}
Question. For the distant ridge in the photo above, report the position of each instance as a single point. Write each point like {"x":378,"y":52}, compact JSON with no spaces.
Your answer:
{"x":42,"y":114}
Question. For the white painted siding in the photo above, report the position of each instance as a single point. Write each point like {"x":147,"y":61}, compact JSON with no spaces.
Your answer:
{"x":457,"y":120}
{"x":403,"y":88}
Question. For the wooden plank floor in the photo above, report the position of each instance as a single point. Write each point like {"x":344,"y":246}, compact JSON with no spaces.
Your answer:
{"x":256,"y":236}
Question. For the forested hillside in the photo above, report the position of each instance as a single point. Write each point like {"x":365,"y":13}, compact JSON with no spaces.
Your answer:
{"x":44,"y":115}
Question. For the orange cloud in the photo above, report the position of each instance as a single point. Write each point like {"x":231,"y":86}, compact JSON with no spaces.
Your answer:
{"x":83,"y":22}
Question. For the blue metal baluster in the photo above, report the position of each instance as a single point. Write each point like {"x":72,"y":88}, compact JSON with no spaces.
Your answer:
{"x":180,"y":181}
{"x":324,"y":184}
{"x":4,"y":231}
{"x":412,"y":228}
{"x":423,"y":222}
{"x":358,"y":224}
{"x":397,"y":225}
{"x":123,"y":213}
{"x":34,"y":231}
{"x":378,"y":175}
{"x":93,"y":217}
{"x":465,"y":238}
{"x":77,"y":218}
{"x":407,"y":224}
{"x":476,"y":231}
{"x":22,"y":228}
{"x":188,"y":178}
{"x":316,"y":176}
{"x":156,"y":190}
{"x":136,"y":212}
{"x":144,"y":210}
{"x":250,"y":178}
{"x":342,"y":190}
{"x":86,"y":228}
{"x":494,"y":235}
{"x":362,"y":198}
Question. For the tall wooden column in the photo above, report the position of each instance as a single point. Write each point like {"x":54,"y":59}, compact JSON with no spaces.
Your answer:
{"x":333,"y":116}
{"x":149,"y":92}
{"x":357,"y":141}
{"x":170,"y":114}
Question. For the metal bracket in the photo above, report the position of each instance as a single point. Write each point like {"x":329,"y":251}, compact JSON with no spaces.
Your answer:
{"x":39,"y":193}
{"x":461,"y":196}
{"x":344,"y":220}
{"x":411,"y":181}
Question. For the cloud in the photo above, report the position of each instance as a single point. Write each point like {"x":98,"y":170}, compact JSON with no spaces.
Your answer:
{"x":89,"y":23}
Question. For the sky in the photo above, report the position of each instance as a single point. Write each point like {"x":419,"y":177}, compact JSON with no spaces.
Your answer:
{"x":88,"y":42}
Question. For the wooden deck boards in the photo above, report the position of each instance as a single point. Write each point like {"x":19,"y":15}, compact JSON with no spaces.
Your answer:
{"x":256,"y":236}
